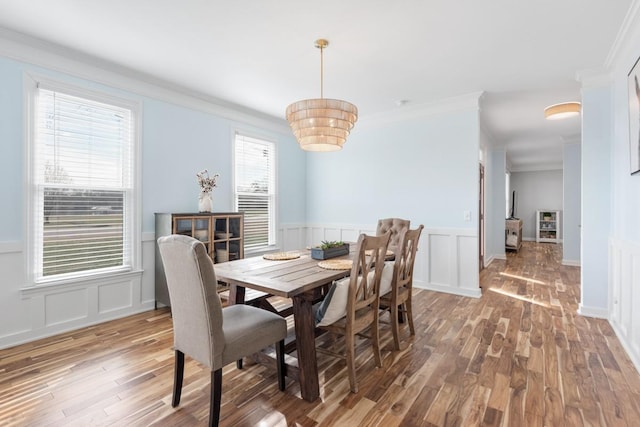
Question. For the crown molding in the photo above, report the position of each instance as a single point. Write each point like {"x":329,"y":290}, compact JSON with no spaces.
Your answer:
{"x":630,"y":22}
{"x":594,"y":77}
{"x":42,"y":53}
{"x":538,"y":167}
{"x":466,"y":102}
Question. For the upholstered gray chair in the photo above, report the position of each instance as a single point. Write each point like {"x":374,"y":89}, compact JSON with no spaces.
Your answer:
{"x":396,"y":226}
{"x":398,"y":299}
{"x":202,"y":329}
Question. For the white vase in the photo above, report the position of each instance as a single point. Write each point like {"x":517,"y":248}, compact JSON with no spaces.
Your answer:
{"x":205,"y":202}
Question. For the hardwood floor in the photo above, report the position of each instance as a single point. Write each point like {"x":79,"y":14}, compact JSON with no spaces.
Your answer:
{"x":518,"y":356}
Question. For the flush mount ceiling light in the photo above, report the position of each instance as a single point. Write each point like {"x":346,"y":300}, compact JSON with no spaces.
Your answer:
{"x":562,"y":111}
{"x":321,"y":124}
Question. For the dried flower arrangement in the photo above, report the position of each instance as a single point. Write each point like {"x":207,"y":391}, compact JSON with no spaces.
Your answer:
{"x":206,"y":182}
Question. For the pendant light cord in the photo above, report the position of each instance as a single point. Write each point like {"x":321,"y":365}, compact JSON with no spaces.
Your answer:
{"x":321,"y":72}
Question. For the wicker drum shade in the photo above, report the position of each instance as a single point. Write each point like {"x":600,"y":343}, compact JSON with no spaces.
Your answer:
{"x":321,"y":124}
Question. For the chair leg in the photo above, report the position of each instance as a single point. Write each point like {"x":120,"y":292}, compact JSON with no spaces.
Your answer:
{"x":395,"y":327}
{"x":216,"y":397}
{"x":239,"y":363}
{"x":178,"y":375}
{"x":409,"y":311}
{"x":280,"y":364}
{"x":375,"y":338}
{"x":350,"y":354}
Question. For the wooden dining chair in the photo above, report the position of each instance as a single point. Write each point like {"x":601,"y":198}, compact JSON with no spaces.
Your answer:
{"x":395,"y":226}
{"x":398,"y":300}
{"x":202,"y":329}
{"x":362,"y":299}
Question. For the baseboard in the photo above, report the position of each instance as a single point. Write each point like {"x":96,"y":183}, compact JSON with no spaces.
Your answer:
{"x":628,"y":347}
{"x":597,"y":312}
{"x":26,"y":336}
{"x":571,"y":262}
{"x":472,"y":293}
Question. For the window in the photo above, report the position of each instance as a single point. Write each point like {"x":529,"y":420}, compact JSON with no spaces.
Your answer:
{"x":255,"y":190}
{"x":81,"y":177}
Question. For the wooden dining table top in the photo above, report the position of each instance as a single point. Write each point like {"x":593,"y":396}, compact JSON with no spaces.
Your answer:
{"x":284,"y":278}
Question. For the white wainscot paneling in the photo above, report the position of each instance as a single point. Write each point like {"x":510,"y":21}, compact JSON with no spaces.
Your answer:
{"x":624,"y":296}
{"x":66,"y":306}
{"x":450,"y":263}
{"x":439,"y":259}
{"x":293,"y":237}
{"x":346,"y":233}
{"x":115,"y":296}
{"x":467,"y":259}
{"x":446,"y":261}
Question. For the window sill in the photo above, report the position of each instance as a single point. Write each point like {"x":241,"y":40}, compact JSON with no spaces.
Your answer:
{"x":79,"y":282}
{"x":260,"y":251}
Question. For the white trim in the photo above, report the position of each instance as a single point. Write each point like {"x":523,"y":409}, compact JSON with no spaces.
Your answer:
{"x":454,"y":252}
{"x":58,"y":58}
{"x":473,"y":293}
{"x":148,"y":236}
{"x":11,"y":247}
{"x":628,"y":24}
{"x":597,"y":312}
{"x":272,"y":196}
{"x":571,"y":262}
{"x":594,"y":78}
{"x":31,"y":83}
{"x":624,"y":297}
{"x":79,"y":283}
{"x":23,"y":337}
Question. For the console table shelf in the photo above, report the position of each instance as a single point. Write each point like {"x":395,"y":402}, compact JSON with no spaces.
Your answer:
{"x":513,"y":234}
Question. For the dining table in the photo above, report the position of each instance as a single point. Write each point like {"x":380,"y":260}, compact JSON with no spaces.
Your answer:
{"x":302,"y":280}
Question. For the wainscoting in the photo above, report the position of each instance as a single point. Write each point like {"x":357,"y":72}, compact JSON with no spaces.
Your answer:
{"x":31,"y":313}
{"x":447,"y":259}
{"x":624,"y":295}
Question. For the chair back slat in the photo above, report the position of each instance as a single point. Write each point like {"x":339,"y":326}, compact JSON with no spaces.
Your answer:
{"x":364,"y":285}
{"x":405,"y":259}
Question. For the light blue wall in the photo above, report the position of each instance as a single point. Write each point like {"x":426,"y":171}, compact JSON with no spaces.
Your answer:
{"x":177,"y":142}
{"x":626,"y":187}
{"x":423,"y":169}
{"x":571,"y":203}
{"x":11,"y":162}
{"x":596,"y":195}
{"x":496,"y":201}
{"x":537,"y":190}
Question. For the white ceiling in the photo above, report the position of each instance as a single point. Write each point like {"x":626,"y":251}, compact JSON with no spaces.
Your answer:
{"x":259,"y":54}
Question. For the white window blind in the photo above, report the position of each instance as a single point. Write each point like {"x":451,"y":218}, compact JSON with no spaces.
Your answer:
{"x":255,"y":190}
{"x":82,"y":176}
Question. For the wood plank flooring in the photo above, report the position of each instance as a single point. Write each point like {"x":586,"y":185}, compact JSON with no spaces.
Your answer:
{"x":518,"y":356}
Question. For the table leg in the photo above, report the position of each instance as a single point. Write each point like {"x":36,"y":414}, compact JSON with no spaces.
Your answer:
{"x":236,"y":294}
{"x":306,"y":346}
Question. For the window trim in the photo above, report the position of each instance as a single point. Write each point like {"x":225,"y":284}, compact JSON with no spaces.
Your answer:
{"x":31,"y":82}
{"x":274,"y":222}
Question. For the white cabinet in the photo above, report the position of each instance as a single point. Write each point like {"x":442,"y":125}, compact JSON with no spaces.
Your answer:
{"x":548,"y":226}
